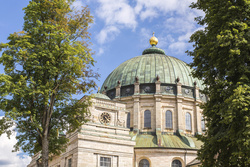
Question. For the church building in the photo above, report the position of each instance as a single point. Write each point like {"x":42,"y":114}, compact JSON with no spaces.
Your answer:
{"x":146,"y":114}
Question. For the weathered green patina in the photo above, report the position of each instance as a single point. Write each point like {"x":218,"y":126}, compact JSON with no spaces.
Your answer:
{"x":166,"y":141}
{"x":153,"y":50}
{"x":101,"y":96}
{"x":146,"y":67}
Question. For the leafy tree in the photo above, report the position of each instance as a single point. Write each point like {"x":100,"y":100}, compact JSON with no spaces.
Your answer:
{"x":45,"y":64}
{"x":221,"y":57}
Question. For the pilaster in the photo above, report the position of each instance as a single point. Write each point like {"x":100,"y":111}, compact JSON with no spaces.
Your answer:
{"x":178,"y":85}
{"x":158,"y":112}
{"x":158,"y":87}
{"x":197,"y":118}
{"x":118,"y":90}
{"x":136,"y":112}
{"x":137,"y":88}
{"x":179,"y":119}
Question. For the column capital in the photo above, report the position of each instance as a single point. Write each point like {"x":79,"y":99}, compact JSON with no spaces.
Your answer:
{"x":137,"y":88}
{"x":196,"y":93}
{"x":118,"y":90}
{"x":178,"y":87}
{"x":158,"y":87}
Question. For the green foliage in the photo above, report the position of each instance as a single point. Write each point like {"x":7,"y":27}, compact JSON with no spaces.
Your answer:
{"x":221,"y":57}
{"x":45,"y":64}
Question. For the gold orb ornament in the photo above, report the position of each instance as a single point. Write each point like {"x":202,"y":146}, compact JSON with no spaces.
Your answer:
{"x":153,"y":40}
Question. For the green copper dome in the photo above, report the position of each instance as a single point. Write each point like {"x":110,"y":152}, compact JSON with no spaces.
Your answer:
{"x":153,"y":50}
{"x":147,"y":66}
{"x":101,"y":96}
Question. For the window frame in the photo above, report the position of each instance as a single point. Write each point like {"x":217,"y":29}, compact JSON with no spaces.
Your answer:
{"x":69,"y":162}
{"x":107,"y":157}
{"x":170,"y":120}
{"x":203,"y":126}
{"x":176,"y":164}
{"x":147,"y":119}
{"x":143,"y":164}
{"x":128,"y":120}
{"x":188,"y":121}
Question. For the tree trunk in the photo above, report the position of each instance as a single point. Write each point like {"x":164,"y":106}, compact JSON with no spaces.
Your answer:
{"x":45,"y":150}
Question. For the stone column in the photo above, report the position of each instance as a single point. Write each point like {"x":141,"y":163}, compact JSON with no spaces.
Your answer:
{"x":178,"y":85}
{"x":136,"y":112}
{"x":118,"y":90}
{"x":196,"y":92}
{"x":179,"y":113}
{"x":158,"y":112}
{"x":137,"y":88}
{"x":197,"y":119}
{"x":197,"y":115}
{"x":157,"y":85}
{"x":136,"y":108}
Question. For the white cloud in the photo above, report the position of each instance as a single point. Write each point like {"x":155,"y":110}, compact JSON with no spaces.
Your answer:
{"x":162,"y":7}
{"x":117,"y":12}
{"x":100,"y":51}
{"x":175,"y":16}
{"x":179,"y":25}
{"x":107,"y":34}
{"x":78,"y":4}
{"x":150,"y":13}
{"x":179,"y":47}
{"x":9,"y":158}
{"x":185,"y":37}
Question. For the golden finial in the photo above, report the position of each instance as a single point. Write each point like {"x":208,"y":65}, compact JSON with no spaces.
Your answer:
{"x":153,"y":40}
{"x":98,"y":90}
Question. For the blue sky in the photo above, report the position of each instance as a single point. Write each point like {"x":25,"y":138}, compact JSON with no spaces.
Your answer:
{"x":121,"y":30}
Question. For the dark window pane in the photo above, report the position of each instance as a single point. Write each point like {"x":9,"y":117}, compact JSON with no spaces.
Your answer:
{"x":188,"y":122}
{"x":147,"y":119}
{"x":144,"y":163}
{"x":176,"y":163}
{"x":202,"y":124}
{"x":105,"y":162}
{"x":128,"y":120}
{"x":169,"y":123}
{"x":69,"y":162}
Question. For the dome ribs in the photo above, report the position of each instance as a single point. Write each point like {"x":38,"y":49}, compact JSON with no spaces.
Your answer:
{"x":187,"y":70}
{"x":173,"y":74}
{"x":147,"y":67}
{"x":147,"y":70}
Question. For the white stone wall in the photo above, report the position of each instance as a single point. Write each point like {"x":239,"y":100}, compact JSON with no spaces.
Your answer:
{"x":164,"y":157}
{"x":112,"y":140}
{"x":158,"y":106}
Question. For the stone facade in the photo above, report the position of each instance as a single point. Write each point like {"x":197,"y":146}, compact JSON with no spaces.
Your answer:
{"x":95,"y":140}
{"x":146,"y":116}
{"x":112,"y":140}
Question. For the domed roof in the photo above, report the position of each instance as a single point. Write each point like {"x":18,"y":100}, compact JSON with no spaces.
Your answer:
{"x":101,"y":96}
{"x":146,"y":67}
{"x":152,"y":63}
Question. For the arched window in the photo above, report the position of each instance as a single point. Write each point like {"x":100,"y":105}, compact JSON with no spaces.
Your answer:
{"x":202,"y":123}
{"x":144,"y":163}
{"x":188,"y":121}
{"x":147,"y":119}
{"x":128,"y":120}
{"x":176,"y":163}
{"x":169,"y":123}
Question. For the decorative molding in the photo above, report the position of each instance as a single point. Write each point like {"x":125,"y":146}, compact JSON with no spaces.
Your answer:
{"x":147,"y":105}
{"x":188,"y":108}
{"x":120,"y":123}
